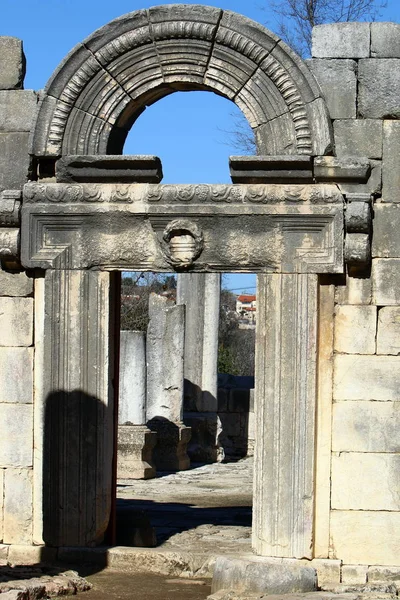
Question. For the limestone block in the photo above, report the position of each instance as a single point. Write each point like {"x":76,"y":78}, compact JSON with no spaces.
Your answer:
{"x":359,"y":377}
{"x":4,"y":548}
{"x":328,"y":571}
{"x":331,"y":76}
{"x":365,"y":537}
{"x":12,"y":63}
{"x":386,"y":241}
{"x":132,"y":378}
{"x":341,"y":40}
{"x":358,"y":137}
{"x":363,"y":481}
{"x":16,"y":321}
{"x":356,"y":290}
{"x":383,"y":574}
{"x":388,"y":340}
{"x":372,"y":186}
{"x":379,"y":88}
{"x":386,"y":281}
{"x":14,"y":160}
{"x":16,"y":440}
{"x":1,"y":508}
{"x":385,"y":40}
{"x":391,"y":162}
{"x":354,"y":574}
{"x":362,"y":426}
{"x":15,"y":284}
{"x":18,"y":506}
{"x":355,"y":329}
{"x":16,"y":370}
{"x":17,"y":110}
{"x":31,"y":555}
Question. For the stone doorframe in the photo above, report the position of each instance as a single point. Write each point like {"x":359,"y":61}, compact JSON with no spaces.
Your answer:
{"x":283,"y":218}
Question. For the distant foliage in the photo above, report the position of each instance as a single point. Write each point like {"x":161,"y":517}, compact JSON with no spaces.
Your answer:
{"x":135,"y":291}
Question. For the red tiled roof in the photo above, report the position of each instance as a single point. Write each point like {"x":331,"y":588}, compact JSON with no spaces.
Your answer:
{"x":247,"y":299}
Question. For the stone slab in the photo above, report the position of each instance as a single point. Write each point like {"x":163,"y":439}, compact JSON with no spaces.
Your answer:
{"x":109,"y":169}
{"x":379,"y":88}
{"x":12,"y":63}
{"x":391,"y":162}
{"x":15,"y":284}
{"x":16,"y":375}
{"x":328,"y":571}
{"x":385,"y":40}
{"x":365,"y":537}
{"x":331,"y":76}
{"x":31,"y":555}
{"x":349,"y":169}
{"x":354,"y":574}
{"x":355,"y":329}
{"x":18,"y":506}
{"x":365,"y":481}
{"x":358,"y":377}
{"x":17,"y":110}
{"x":363,"y":426}
{"x":373,"y":185}
{"x":2,"y":471}
{"x":388,"y":339}
{"x":14,"y":160}
{"x":132,"y":378}
{"x":359,"y":137}
{"x":273,"y":169}
{"x":341,"y":40}
{"x":386,"y":281}
{"x":384,"y":574}
{"x":262,"y":575}
{"x":386,"y":241}
{"x":16,"y":441}
{"x":16,"y":321}
{"x":354,"y":290}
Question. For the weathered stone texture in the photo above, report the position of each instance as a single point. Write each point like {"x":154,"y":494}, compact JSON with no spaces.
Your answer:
{"x":385,"y":40}
{"x":355,"y":329}
{"x":388,"y":340}
{"x":16,"y":440}
{"x":362,"y":426}
{"x":341,"y":40}
{"x":18,"y":506}
{"x":366,"y":377}
{"x":362,"y":481}
{"x":357,"y":137}
{"x":14,"y":160}
{"x":379,"y":88}
{"x":331,"y":76}
{"x":12,"y":63}
{"x":391,"y":162}
{"x":372,"y":186}
{"x":17,"y":110}
{"x":16,"y":321}
{"x":2,"y":471}
{"x":385,"y":240}
{"x":16,"y":381}
{"x":383,"y":574}
{"x":328,"y":571}
{"x":132,"y":378}
{"x":365,"y":537}
{"x":354,"y":574}
{"x":355,"y":290}
{"x":15,"y":284}
{"x":386,"y":281}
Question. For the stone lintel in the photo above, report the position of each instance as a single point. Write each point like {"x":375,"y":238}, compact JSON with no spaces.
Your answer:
{"x":272,"y":169}
{"x":347,"y":169}
{"x":109,"y":169}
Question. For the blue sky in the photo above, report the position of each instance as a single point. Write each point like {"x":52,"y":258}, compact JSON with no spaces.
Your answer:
{"x":187,"y":129}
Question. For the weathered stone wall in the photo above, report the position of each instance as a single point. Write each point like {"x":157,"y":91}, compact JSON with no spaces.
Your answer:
{"x":358,"y":511}
{"x":17,"y":109}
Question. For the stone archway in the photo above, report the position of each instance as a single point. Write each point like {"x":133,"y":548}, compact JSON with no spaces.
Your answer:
{"x":289,"y":222}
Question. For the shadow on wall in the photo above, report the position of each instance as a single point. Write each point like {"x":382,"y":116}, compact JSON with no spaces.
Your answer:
{"x":77,"y":469}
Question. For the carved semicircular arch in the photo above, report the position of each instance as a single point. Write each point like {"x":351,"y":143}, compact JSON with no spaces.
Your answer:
{"x":107,"y":81}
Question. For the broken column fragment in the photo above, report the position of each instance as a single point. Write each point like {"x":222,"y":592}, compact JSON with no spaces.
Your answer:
{"x":135,"y":440}
{"x":164,"y":409}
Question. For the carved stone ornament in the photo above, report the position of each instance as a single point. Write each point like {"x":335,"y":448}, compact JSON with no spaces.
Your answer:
{"x":183,"y":243}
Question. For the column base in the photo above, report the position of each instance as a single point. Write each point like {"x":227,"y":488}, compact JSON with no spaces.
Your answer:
{"x":135,"y":450}
{"x":170,"y":453}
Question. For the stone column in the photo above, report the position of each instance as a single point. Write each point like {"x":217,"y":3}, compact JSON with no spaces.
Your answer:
{"x":200,"y":293}
{"x":77,"y":396}
{"x":285,"y":402}
{"x":164,"y":410}
{"x":135,"y":440}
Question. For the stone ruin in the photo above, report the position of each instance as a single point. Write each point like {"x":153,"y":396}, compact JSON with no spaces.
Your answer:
{"x":316,"y":216}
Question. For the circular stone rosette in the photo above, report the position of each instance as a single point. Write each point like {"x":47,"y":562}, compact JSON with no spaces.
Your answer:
{"x":183,"y":243}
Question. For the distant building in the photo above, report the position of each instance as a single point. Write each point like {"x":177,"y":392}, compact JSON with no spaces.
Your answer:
{"x":246,"y":306}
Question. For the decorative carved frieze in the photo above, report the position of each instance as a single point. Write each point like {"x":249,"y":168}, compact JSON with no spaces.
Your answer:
{"x":139,"y":226}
